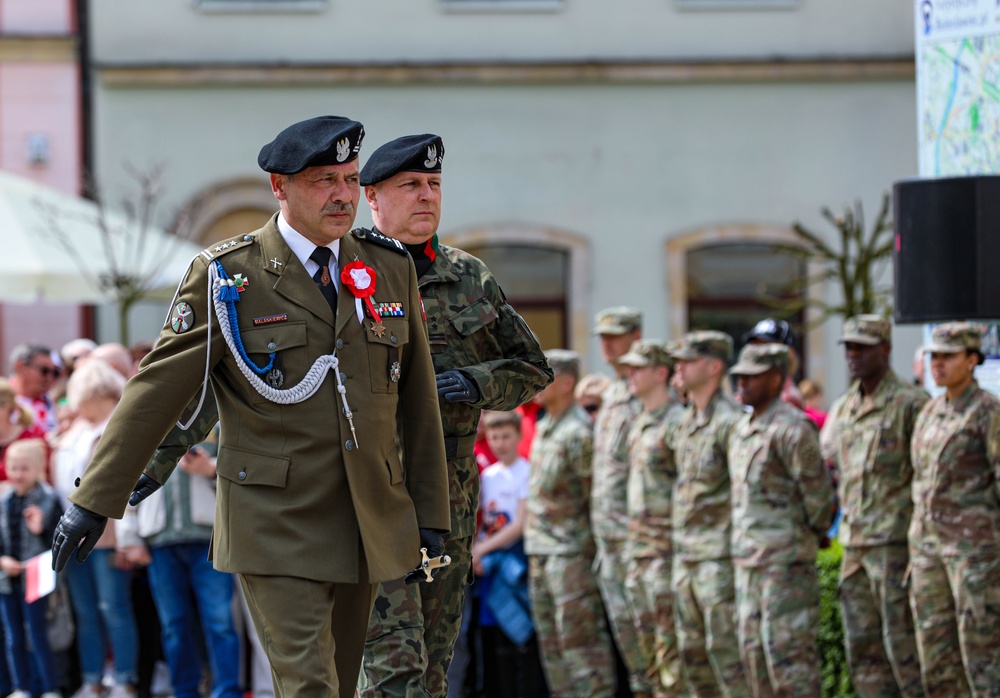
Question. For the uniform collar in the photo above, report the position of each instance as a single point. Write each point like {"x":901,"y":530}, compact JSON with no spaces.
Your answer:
{"x":442,"y":270}
{"x":876,"y":401}
{"x":961,"y":403}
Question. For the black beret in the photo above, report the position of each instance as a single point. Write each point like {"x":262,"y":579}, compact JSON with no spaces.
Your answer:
{"x":422,"y":153}
{"x":324,"y":140}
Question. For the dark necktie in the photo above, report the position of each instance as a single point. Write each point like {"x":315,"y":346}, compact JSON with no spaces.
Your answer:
{"x":322,"y":255}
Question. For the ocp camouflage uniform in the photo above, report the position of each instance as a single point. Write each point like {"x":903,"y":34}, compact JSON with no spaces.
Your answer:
{"x":703,"y":576}
{"x":566,"y":604}
{"x":782,"y":499}
{"x":868,"y":437}
{"x":954,"y":540}
{"x":609,"y":518}
{"x":471,"y":327}
{"x":652,"y":472}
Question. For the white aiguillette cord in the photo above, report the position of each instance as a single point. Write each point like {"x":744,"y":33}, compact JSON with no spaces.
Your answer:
{"x":305,"y":389}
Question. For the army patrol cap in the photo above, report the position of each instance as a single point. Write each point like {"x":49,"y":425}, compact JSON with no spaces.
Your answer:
{"x":695,"y":345}
{"x":564,"y":361}
{"x":423,"y":153}
{"x":648,"y":352}
{"x":953,"y":337}
{"x":618,"y":320}
{"x":760,"y":358}
{"x":866,"y":329}
{"x":324,"y":140}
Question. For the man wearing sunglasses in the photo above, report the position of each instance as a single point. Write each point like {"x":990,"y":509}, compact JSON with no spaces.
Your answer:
{"x":33,"y":372}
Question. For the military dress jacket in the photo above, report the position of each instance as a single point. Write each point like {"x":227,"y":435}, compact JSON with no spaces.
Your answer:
{"x":702,"y":507}
{"x":956,"y":476}
{"x":782,"y":495}
{"x":299,"y":494}
{"x":868,"y":438}
{"x":472,"y":328}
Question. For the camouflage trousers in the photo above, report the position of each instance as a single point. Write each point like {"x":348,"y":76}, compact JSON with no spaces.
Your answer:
{"x":878,"y":626}
{"x":956,"y":609}
{"x":705,"y":602}
{"x":569,"y":623}
{"x":413,"y":630}
{"x":651,"y":600}
{"x":611,"y":572}
{"x":778,"y":618}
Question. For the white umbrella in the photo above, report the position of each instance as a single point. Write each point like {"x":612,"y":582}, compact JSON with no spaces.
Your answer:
{"x":62,"y":248}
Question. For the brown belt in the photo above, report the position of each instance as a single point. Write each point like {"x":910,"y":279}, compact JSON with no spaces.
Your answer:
{"x":456,"y":447}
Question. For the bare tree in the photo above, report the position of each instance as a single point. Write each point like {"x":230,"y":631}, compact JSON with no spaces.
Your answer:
{"x":856,"y":263}
{"x":131,"y":250}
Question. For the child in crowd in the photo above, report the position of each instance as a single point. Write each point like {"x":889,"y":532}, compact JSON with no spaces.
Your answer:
{"x":29,"y":512}
{"x":512,"y":667}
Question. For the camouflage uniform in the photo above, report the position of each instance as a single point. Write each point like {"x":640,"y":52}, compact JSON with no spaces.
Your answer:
{"x":868,"y":438}
{"x":609,"y":505}
{"x":566,"y":604}
{"x":954,"y":535}
{"x":470,"y":326}
{"x":782,"y":501}
{"x":703,"y":576}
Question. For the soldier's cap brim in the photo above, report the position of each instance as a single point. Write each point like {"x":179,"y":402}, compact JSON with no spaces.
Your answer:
{"x":945,"y":349}
{"x":612,"y":328}
{"x":860,"y":339}
{"x":634,"y":360}
{"x":746,"y":369}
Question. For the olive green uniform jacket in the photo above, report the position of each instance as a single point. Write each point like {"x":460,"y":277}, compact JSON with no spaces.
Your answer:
{"x":299,"y":494}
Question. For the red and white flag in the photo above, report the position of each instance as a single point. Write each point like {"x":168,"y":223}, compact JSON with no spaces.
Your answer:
{"x":39,"y":577}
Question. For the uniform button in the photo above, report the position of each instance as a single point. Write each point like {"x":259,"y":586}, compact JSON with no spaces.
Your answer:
{"x":247,"y":238}
{"x":343,"y":376}
{"x":349,"y":445}
{"x":243,"y":475}
{"x":272,"y":346}
{"x":340,"y":344}
{"x":392,"y":339}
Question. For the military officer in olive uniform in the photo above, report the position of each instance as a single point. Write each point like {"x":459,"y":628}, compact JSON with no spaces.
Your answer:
{"x":867,"y":436}
{"x":782,"y":508}
{"x":485,"y":358}
{"x":318,"y":400}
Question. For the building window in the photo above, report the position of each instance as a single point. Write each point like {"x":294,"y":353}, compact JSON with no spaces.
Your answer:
{"x":261,"y":6}
{"x":737,"y":4}
{"x":731,"y":286}
{"x":502,"y":5}
{"x":534,"y":280}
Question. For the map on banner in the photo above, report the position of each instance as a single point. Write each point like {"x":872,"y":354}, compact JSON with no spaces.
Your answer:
{"x":958,"y":86}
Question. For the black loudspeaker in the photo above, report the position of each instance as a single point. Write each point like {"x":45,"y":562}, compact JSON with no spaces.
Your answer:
{"x":947,"y":252}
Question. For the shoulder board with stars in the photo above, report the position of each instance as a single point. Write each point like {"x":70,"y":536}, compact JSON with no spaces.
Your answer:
{"x":379,"y":239}
{"x":222,"y":248}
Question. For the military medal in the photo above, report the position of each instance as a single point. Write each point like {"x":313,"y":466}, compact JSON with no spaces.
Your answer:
{"x":274,"y":378}
{"x":378,"y":329}
{"x":394,"y":372}
{"x":241,"y":282}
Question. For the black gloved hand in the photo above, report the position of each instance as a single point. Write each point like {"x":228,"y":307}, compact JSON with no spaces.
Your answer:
{"x":145,"y":487}
{"x":455,"y":386}
{"x":78,"y":526}
{"x":433,"y":540}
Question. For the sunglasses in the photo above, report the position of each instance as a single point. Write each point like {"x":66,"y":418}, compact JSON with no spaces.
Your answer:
{"x":591,"y":408}
{"x":48,"y":372}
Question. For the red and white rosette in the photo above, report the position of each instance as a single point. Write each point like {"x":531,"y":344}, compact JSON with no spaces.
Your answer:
{"x":359,"y":279}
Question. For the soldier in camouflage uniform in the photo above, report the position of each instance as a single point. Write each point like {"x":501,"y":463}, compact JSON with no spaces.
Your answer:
{"x":782,"y":503}
{"x":648,"y":550}
{"x":566,"y":604}
{"x":703,"y":577}
{"x":617,"y":328}
{"x":485,"y":357}
{"x":954,"y":534}
{"x":867,"y":437}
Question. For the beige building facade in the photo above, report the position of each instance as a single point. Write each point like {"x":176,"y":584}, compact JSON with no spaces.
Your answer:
{"x":642,"y":152}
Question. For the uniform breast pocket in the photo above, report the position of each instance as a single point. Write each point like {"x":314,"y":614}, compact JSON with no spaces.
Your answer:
{"x":467,"y":322}
{"x":384,"y":354}
{"x":282,"y":339}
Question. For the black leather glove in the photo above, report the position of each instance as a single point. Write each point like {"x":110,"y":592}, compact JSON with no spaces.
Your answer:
{"x":145,"y":487}
{"x":433,"y":540}
{"x":455,"y":386}
{"x":77,"y":527}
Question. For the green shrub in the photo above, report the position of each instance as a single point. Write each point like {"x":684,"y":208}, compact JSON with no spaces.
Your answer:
{"x":835,"y":674}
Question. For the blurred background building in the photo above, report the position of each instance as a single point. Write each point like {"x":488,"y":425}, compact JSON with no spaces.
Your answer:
{"x":644,"y":152}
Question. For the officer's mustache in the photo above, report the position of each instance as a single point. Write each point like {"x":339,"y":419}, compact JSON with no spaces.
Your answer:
{"x":336,"y":207}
